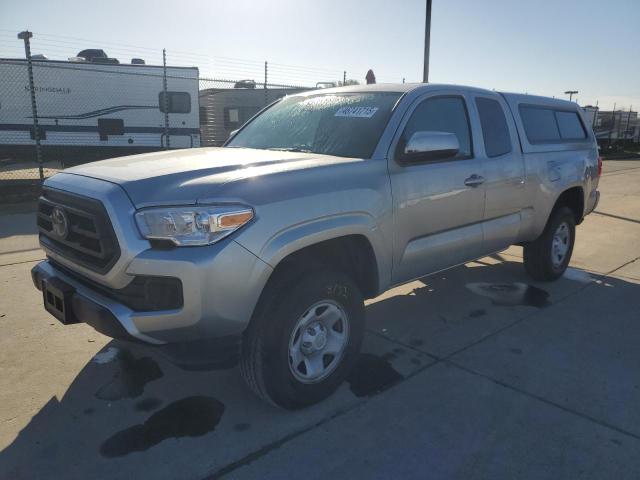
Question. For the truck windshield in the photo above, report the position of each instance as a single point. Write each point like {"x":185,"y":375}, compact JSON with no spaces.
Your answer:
{"x":341,"y":124}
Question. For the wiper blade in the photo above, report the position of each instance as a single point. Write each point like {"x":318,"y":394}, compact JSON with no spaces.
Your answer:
{"x":291,"y":149}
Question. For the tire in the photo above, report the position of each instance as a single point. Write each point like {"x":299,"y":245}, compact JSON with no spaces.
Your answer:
{"x":542,"y":260}
{"x":292,"y":308}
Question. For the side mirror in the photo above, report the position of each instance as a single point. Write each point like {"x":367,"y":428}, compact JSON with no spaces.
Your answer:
{"x":425,"y":146}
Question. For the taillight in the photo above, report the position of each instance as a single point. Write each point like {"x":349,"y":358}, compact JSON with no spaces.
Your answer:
{"x":599,"y":166}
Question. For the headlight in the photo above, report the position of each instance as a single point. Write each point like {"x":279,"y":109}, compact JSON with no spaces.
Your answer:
{"x":193,"y":225}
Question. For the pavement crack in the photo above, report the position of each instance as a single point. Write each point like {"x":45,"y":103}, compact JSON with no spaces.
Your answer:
{"x":255,"y":455}
{"x":247,"y":459}
{"x":619,"y":172}
{"x":20,"y":263}
{"x":617,"y":217}
{"x":539,"y":398}
{"x":622,"y":266}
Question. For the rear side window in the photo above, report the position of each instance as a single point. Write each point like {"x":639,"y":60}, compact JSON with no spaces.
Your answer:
{"x":546,"y":125}
{"x":442,"y":114}
{"x":178,"y":102}
{"x":570,"y":126}
{"x":495,"y":131}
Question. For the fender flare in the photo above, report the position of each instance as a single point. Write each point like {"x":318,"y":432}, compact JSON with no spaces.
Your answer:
{"x":296,"y":237}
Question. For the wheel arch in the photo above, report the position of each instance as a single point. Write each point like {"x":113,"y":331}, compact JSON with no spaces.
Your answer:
{"x":352,"y":254}
{"x":353,"y":239}
{"x":573,"y":198}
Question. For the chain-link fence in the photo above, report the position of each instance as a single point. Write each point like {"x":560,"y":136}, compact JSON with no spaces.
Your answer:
{"x":59,"y":113}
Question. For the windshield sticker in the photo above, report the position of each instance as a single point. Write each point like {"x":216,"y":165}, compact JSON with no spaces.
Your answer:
{"x":356,"y":112}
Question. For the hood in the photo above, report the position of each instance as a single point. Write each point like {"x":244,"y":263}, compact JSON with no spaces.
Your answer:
{"x":199,"y":174}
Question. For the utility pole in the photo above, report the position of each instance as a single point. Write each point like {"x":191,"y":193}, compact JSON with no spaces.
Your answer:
{"x":571,"y":93}
{"x":427,"y":43}
{"x":167,"y":137}
{"x":26,"y":36}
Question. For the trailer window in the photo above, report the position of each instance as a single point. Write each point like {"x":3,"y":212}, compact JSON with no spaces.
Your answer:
{"x":178,"y":102}
{"x":204,"y":118}
{"x":110,"y":126}
{"x":570,"y":126}
{"x":235,"y":117}
{"x":495,"y":131}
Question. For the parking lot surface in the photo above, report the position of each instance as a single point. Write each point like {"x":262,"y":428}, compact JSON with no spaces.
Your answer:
{"x":476,"y":372}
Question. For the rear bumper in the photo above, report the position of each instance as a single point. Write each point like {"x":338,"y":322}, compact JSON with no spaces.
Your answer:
{"x":594,"y":199}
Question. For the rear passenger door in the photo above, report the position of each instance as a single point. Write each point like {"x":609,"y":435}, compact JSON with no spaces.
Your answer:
{"x":504,"y":173}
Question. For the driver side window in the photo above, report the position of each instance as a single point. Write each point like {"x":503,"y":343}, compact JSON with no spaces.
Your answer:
{"x":442,"y":114}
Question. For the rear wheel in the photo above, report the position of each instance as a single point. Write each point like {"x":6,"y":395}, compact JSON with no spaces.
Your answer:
{"x":304,"y":338}
{"x":547,"y":257}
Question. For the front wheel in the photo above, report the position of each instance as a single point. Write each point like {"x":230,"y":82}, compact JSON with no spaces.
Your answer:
{"x":547,"y":257}
{"x":304,"y":338}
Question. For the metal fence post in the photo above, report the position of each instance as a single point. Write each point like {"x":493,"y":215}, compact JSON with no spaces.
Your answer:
{"x":626,"y":128}
{"x":265,"y":83}
{"x":613,"y":123}
{"x":167,"y":141}
{"x":26,"y":35}
{"x":344,"y":78}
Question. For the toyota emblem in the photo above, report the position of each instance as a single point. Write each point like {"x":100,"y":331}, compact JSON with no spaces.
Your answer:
{"x":59,"y":222}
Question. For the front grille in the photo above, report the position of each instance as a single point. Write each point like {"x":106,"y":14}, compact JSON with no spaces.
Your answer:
{"x":84,"y":235}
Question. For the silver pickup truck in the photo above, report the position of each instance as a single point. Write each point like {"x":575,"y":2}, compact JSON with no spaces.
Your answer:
{"x":261,"y":252}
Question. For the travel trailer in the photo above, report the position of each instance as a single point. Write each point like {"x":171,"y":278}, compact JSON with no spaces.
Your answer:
{"x":96,"y":109}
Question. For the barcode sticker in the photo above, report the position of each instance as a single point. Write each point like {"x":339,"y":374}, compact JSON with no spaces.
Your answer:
{"x":356,"y":112}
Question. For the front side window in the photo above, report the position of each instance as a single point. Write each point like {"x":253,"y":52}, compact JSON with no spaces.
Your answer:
{"x":177,"y":102}
{"x":442,"y":114}
{"x":495,"y":132}
{"x":342,"y":124}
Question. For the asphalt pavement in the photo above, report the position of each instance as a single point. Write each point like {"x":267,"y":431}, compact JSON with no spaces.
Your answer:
{"x":474,"y":373}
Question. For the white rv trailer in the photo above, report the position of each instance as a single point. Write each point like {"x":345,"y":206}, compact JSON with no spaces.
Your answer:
{"x":89,"y":110}
{"x":223,"y":110}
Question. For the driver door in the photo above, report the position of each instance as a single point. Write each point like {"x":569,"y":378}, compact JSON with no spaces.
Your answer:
{"x":438,"y":203}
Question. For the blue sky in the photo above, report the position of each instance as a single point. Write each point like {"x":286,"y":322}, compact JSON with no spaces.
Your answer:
{"x":543,"y":46}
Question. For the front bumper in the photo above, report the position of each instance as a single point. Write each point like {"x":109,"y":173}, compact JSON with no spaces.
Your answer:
{"x":221,"y":283}
{"x":117,"y":321}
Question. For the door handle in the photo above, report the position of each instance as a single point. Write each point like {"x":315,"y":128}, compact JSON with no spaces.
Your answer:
{"x":474,"y":180}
